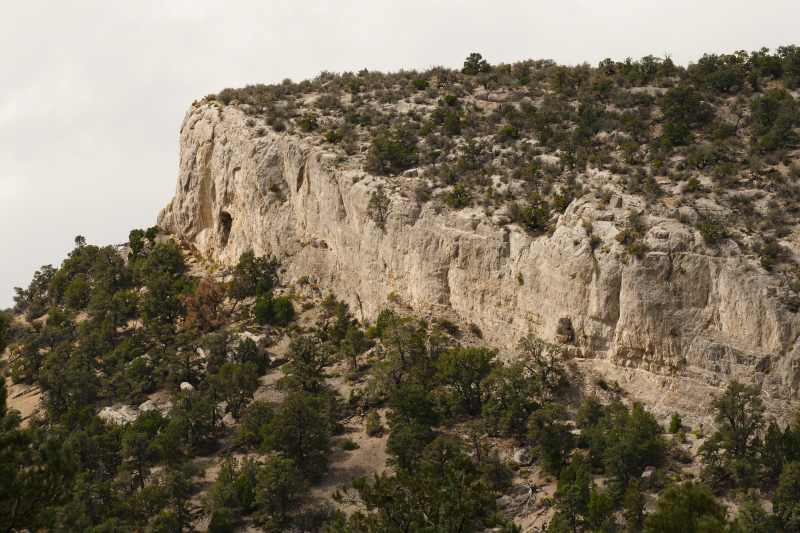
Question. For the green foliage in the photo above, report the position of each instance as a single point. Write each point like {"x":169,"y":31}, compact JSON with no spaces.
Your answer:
{"x":252,"y":276}
{"x":774,"y":116}
{"x":475,"y":64}
{"x":633,"y":443}
{"x":562,"y":200}
{"x":683,"y":108}
{"x":308,"y":122}
{"x":550,"y":432}
{"x":300,"y":431}
{"x":633,"y":504}
{"x":393,"y":149}
{"x":253,"y":423}
{"x":786,"y":503}
{"x":752,"y":516}
{"x":689,"y":507}
{"x":464,"y":370}
{"x":732,"y":451}
{"x":78,"y":294}
{"x":406,"y":444}
{"x":373,"y":423}
{"x":308,"y":357}
{"x":420,"y":85}
{"x":278,"y":311}
{"x":780,"y":447}
{"x":712,"y":232}
{"x":536,"y":216}
{"x":283,"y":311}
{"x":35,"y":480}
{"x":236,"y":385}
{"x":571,"y":497}
{"x":410,"y":503}
{"x":5,"y":326}
{"x":378,"y":207}
{"x":675,"y":423}
{"x":279,"y":484}
{"x":459,"y":197}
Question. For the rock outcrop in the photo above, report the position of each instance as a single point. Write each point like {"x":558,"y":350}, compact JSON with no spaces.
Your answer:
{"x":682,"y":308}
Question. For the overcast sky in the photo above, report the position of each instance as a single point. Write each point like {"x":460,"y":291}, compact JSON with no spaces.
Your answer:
{"x":92,"y":93}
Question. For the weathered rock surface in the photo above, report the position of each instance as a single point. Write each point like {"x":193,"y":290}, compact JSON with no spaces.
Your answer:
{"x":683,"y":309}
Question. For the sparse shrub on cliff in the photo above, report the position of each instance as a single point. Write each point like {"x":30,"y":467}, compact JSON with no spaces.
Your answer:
{"x":459,"y":197}
{"x":536,"y":216}
{"x":712,"y":232}
{"x":378,"y":206}
{"x":393,"y":149}
{"x":308,"y":122}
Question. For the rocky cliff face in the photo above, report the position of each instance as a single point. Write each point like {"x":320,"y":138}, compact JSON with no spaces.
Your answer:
{"x":682,"y":309}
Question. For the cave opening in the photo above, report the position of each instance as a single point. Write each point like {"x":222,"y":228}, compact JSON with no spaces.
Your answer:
{"x":225,"y":225}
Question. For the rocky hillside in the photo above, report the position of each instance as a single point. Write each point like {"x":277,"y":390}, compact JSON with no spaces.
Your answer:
{"x":639,"y":213}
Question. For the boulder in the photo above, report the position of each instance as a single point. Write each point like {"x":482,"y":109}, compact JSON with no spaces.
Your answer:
{"x":147,"y":406}
{"x":187,"y":386}
{"x":119,"y":414}
{"x":647,"y":477}
{"x":522,"y":457}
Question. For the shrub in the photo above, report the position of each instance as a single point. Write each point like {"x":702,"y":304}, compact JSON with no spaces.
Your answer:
{"x":451,"y":125}
{"x":394,"y":149}
{"x":348,"y":444}
{"x":475,"y":64}
{"x":459,"y":197}
{"x":374,"y":426}
{"x":451,"y":100}
{"x":675,"y":423}
{"x":420,"y":85}
{"x":509,"y":132}
{"x":334,"y":136}
{"x":308,"y":122}
{"x":377,"y":207}
{"x":284,"y":311}
{"x":712,"y":232}
{"x":535,"y":217}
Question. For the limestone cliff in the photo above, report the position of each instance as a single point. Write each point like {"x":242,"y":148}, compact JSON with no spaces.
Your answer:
{"x":685,"y":309}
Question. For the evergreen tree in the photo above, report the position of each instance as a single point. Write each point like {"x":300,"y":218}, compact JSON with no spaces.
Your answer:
{"x":571,"y":497}
{"x":34,"y":481}
{"x":689,"y":508}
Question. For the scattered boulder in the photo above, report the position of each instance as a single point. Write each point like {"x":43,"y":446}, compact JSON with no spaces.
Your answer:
{"x":503,"y":501}
{"x":523,"y":457}
{"x":187,"y":386}
{"x":147,"y":406}
{"x":647,"y":477}
{"x":119,"y":414}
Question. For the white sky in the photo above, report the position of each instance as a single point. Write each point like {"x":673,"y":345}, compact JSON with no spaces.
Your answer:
{"x":92,"y":93}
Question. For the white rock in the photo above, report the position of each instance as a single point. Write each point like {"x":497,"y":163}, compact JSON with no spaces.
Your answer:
{"x":119,"y":414}
{"x":682,"y":309}
{"x":522,"y":457}
{"x":187,"y":386}
{"x":148,"y":406}
{"x":647,"y":477}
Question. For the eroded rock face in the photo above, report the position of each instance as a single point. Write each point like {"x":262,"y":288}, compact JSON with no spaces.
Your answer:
{"x":680,"y":309}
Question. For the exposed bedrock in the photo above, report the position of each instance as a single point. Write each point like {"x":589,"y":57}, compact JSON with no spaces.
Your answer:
{"x":683,"y":309}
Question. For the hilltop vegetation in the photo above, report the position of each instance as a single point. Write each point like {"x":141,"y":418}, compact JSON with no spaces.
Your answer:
{"x":154,"y":329}
{"x":715,"y":141}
